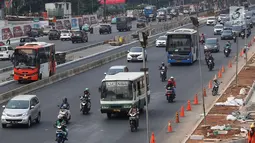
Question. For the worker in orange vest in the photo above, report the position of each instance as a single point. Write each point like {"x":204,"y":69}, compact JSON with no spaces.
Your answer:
{"x":251,"y":134}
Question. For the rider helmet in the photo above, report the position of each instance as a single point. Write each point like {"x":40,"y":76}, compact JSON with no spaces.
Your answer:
{"x":134,"y":106}
{"x":87,"y":89}
{"x":65,"y":100}
{"x":163,"y":64}
{"x":252,"y":125}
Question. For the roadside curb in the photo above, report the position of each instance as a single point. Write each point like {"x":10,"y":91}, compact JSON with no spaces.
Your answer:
{"x":6,"y":69}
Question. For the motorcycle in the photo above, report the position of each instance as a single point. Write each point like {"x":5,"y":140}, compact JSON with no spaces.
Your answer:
{"x":65,"y":113}
{"x":133,"y":121}
{"x":242,"y":35}
{"x":163,"y":74}
{"x":85,"y":105}
{"x":215,"y":89}
{"x":234,"y":38}
{"x":170,"y":95}
{"x":210,"y":65}
{"x":226,"y":51}
{"x":60,"y":135}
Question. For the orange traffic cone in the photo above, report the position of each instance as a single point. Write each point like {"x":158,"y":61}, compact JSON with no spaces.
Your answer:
{"x":222,"y":69}
{"x":196,"y":100}
{"x":230,"y":64}
{"x":204,"y":92}
{"x":182,"y":112}
{"x":210,"y":84}
{"x":219,"y":74}
{"x":169,"y":127}
{"x":152,"y":138}
{"x":188,"y":106}
{"x":177,"y":120}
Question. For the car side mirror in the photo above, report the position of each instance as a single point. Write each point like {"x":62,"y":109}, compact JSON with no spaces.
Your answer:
{"x":105,"y":73}
{"x":32,"y":107}
{"x":3,"y":106}
{"x":99,"y":89}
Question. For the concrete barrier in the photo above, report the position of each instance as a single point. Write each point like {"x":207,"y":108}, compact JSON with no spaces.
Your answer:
{"x":66,"y":74}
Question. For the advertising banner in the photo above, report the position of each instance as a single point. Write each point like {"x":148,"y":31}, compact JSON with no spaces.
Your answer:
{"x":17,"y":31}
{"x":236,"y":14}
{"x":86,"y":20}
{"x":74,"y":23}
{"x":80,"y":22}
{"x":6,"y":33}
{"x":93,"y":19}
{"x":67,"y":24}
{"x":113,"y":1}
{"x":26,"y":29}
{"x":59,"y":25}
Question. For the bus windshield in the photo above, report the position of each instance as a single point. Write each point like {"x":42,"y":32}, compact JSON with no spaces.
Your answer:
{"x":179,"y":41}
{"x":24,"y":58}
{"x":116,"y":90}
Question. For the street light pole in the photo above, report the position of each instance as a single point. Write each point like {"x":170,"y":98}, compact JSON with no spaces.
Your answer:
{"x":105,"y":10}
{"x":200,"y":69}
{"x":236,"y":59}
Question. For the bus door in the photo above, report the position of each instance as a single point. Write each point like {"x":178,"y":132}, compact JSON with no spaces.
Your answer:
{"x":44,"y":63}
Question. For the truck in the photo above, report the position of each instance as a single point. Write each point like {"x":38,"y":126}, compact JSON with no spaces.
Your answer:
{"x":123,"y":23}
{"x":150,"y":13}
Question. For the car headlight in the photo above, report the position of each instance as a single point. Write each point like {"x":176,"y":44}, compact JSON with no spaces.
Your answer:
{"x":127,"y":106}
{"x":4,"y":114}
{"x":104,"y":107}
{"x":25,"y":114}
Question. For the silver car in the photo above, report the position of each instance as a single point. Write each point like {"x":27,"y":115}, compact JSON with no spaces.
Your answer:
{"x":22,"y":109}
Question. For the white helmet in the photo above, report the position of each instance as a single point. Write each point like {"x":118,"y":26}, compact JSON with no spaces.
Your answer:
{"x":172,"y":77}
{"x":60,"y":116}
{"x":205,"y":48}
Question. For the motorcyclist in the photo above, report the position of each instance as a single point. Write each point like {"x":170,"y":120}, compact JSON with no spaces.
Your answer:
{"x":134,"y":110}
{"x":163,"y":67}
{"x":61,"y":122}
{"x":171,"y":84}
{"x":202,"y":38}
{"x":86,"y":96}
{"x":211,"y":58}
{"x":207,"y":54}
{"x":172,"y":79}
{"x":65,"y":102}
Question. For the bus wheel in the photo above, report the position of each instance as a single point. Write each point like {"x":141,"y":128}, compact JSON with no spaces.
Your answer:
{"x":20,"y":81}
{"x":109,"y":115}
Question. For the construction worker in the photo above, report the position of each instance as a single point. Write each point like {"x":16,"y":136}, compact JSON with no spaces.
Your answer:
{"x":251,"y":134}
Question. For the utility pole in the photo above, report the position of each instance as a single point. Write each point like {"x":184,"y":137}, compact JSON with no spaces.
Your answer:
{"x":105,"y":10}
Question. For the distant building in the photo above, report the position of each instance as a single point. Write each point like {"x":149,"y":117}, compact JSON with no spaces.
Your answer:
{"x":59,"y":9}
{"x":2,"y":14}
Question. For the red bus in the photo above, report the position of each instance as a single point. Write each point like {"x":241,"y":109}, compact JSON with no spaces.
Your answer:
{"x":34,"y":61}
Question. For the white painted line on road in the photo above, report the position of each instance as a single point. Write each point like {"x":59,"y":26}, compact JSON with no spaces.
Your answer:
{"x":6,"y":82}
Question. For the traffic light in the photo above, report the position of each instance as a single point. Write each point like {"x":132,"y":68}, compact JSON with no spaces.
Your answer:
{"x":194,"y":21}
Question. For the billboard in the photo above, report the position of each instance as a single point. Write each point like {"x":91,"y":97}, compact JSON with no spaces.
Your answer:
{"x":236,"y":15}
{"x":112,"y":1}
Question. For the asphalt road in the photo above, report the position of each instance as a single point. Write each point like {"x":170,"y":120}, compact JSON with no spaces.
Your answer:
{"x":96,"y":128}
{"x":67,"y":45}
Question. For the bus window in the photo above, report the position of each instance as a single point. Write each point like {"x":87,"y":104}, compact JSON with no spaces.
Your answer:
{"x":139,"y":88}
{"x":42,"y":56}
{"x":47,"y":51}
{"x":142,"y":86}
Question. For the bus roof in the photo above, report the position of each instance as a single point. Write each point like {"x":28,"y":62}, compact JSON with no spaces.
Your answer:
{"x":35,"y":45}
{"x":182,"y":31}
{"x":124,"y":76}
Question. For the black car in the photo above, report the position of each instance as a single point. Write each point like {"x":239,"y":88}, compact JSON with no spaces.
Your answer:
{"x":227,"y":35}
{"x":26,"y":40}
{"x":141,"y":23}
{"x":237,"y":29}
{"x":35,"y":32}
{"x":79,"y":36}
{"x":105,"y":29}
{"x":54,"y":34}
{"x":249,"y":23}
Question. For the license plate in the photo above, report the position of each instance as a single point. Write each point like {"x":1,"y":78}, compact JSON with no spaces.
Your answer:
{"x":14,"y":122}
{"x":116,"y":110}
{"x":134,"y":58}
{"x":178,"y":61}
{"x":25,"y":77}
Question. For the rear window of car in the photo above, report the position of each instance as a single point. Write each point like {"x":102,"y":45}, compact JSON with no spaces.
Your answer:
{"x":77,"y":32}
{"x":64,"y":31}
{"x":104,"y":25}
{"x":25,"y":39}
{"x":53,"y":31}
{"x":3,"y":49}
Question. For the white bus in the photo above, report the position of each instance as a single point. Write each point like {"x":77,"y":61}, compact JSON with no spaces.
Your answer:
{"x":120,"y":91}
{"x":182,"y":46}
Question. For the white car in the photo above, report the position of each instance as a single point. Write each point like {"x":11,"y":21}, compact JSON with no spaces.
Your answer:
{"x":136,"y":54}
{"x":161,"y":41}
{"x":218,"y":29}
{"x":211,"y":21}
{"x":6,"y":52}
{"x":116,"y":69}
{"x":65,"y":35}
